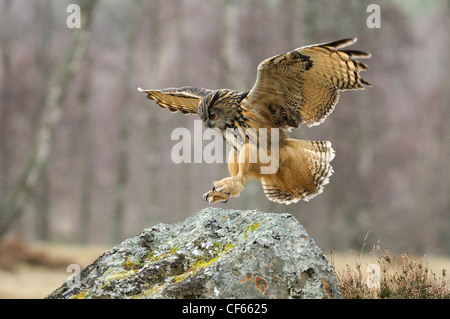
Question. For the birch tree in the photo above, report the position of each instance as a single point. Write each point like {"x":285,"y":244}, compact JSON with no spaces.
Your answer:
{"x":123,"y":156}
{"x":16,"y":200}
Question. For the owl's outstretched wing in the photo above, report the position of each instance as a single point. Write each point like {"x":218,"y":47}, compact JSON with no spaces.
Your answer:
{"x":302,"y":86}
{"x":185,"y":99}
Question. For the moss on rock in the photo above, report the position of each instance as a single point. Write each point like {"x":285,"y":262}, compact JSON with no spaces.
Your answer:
{"x":213,"y":254}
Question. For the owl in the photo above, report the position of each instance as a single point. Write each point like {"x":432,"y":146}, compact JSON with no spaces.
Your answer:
{"x":300,"y":87}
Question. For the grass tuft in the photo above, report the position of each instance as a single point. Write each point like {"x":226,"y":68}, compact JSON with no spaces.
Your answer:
{"x":402,"y":277}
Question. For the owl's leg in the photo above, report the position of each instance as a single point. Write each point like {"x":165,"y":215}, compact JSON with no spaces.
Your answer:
{"x":229,"y":186}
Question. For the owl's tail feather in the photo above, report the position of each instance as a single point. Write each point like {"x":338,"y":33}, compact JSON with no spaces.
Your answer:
{"x":303,"y":171}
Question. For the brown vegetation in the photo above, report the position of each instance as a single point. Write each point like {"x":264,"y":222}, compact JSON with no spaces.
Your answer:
{"x":402,"y":277}
{"x":16,"y":252}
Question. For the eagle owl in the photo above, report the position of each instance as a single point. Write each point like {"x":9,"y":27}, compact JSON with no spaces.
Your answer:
{"x":291,"y":89}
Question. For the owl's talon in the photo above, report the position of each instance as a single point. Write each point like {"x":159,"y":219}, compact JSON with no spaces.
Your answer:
{"x":205,"y":197}
{"x":216,"y":196}
{"x":220,"y":192}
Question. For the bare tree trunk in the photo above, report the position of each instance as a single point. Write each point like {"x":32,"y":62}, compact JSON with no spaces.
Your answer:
{"x":288,"y":25}
{"x":185,"y":172}
{"x":123,"y":157}
{"x":5,"y":92}
{"x":445,"y":225}
{"x":311,"y":20}
{"x":154,"y":146}
{"x":86,"y":155}
{"x":14,"y":204}
{"x":230,"y":76}
{"x":41,"y":202}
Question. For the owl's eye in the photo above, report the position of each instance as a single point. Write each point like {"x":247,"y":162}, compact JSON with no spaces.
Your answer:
{"x":212,"y":116}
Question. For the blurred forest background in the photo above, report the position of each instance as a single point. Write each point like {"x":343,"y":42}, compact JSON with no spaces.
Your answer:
{"x":85,"y":158}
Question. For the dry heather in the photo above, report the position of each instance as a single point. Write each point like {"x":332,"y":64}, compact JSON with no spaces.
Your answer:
{"x":401,"y":277}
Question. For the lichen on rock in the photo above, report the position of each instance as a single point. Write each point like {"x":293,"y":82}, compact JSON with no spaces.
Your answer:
{"x":213,"y":254}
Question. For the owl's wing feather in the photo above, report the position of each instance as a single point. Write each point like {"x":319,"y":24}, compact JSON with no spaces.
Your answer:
{"x":185,"y":99}
{"x":309,"y":162}
{"x":302,"y":86}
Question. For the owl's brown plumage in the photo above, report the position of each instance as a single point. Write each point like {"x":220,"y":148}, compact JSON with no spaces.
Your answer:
{"x":298,"y":87}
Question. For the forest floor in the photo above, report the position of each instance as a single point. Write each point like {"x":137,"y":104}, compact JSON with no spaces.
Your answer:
{"x":33,"y":271}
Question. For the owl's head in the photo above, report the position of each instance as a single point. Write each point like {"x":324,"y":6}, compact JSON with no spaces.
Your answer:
{"x":221,"y":109}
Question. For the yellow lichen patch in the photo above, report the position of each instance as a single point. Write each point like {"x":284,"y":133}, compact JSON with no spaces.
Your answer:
{"x":205,"y":263}
{"x":150,"y":255}
{"x":218,"y":247}
{"x":183,"y":276}
{"x":153,"y":256}
{"x":229,"y":247}
{"x":251,"y":228}
{"x":81,"y":295}
{"x":202,"y":264}
{"x":149,"y":292}
{"x":121,"y":275}
{"x":130,"y":264}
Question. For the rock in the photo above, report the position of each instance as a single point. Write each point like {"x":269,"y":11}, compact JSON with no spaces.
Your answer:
{"x":213,"y":254}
